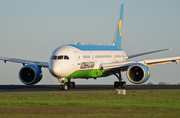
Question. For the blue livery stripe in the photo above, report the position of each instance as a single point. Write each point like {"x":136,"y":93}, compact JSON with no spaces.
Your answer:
{"x":95,"y":47}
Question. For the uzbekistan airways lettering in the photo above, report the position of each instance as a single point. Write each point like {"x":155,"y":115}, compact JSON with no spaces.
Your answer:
{"x":71,"y":61}
{"x":85,"y":65}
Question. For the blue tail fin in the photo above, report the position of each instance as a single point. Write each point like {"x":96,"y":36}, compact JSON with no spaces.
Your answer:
{"x":118,"y":33}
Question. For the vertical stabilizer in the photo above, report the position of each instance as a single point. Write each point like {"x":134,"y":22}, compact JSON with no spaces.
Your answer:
{"x":118,"y":33}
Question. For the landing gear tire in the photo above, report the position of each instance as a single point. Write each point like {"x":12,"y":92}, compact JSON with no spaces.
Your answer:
{"x":63,"y":87}
{"x":116,"y":84}
{"x":119,"y":84}
{"x":123,"y":84}
{"x":60,"y":87}
{"x":72,"y":84}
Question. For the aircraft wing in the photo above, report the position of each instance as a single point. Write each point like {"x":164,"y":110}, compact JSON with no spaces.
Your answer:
{"x":144,"y":53}
{"x":23,"y":61}
{"x":124,"y":65}
{"x":153,"y":62}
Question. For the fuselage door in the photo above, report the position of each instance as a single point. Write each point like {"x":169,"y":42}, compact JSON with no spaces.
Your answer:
{"x":78,"y":57}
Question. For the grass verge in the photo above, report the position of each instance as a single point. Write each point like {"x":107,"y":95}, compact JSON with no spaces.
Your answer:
{"x":92,"y":104}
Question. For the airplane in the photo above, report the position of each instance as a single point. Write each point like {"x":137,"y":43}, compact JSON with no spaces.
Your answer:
{"x":73,"y":61}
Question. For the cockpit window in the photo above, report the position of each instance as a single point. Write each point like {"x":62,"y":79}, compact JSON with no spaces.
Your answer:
{"x":60,"y":57}
{"x":66,"y":57}
{"x":54,"y":57}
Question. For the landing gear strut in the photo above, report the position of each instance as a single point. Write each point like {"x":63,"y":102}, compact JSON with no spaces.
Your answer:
{"x":120,"y":83}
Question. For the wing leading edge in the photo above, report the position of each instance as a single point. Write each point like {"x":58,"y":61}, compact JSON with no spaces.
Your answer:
{"x":124,"y":65}
{"x":23,"y":61}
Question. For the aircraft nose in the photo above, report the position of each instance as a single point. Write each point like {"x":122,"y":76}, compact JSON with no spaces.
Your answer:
{"x":55,"y":68}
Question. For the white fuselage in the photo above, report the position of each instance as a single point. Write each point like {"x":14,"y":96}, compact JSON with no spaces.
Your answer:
{"x":67,"y":59}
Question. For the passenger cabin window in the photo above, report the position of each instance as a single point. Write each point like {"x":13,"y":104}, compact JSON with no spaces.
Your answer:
{"x":117,"y":56}
{"x":86,"y":56}
{"x":66,"y":57}
{"x":60,"y":57}
{"x":103,"y":56}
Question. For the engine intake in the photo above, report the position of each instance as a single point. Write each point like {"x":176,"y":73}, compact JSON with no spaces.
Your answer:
{"x":30,"y":74}
{"x":138,"y":73}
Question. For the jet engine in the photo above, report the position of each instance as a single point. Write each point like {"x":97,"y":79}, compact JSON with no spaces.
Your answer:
{"x":30,"y":74}
{"x":138,"y":73}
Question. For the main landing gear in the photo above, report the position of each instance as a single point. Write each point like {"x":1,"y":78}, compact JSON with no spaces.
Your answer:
{"x":120,"y":83}
{"x":66,"y":85}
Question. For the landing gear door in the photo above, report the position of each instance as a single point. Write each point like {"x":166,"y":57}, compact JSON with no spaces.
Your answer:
{"x":78,"y":57}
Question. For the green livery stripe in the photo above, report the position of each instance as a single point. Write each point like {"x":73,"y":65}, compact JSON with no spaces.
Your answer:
{"x":86,"y":74}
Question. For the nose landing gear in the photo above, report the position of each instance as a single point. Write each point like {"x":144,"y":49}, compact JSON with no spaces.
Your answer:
{"x":66,"y":85}
{"x":71,"y":84}
{"x":63,"y":86}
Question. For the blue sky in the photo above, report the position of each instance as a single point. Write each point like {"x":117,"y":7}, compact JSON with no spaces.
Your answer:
{"x":32,"y":29}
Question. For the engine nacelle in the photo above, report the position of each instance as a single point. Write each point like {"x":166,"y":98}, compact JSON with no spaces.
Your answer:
{"x":138,"y":73}
{"x":30,"y":74}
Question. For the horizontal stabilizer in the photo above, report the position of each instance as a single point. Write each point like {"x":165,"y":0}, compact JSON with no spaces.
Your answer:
{"x":144,"y":53}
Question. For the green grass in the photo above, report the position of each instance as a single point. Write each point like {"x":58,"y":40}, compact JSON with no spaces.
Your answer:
{"x":92,"y":104}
